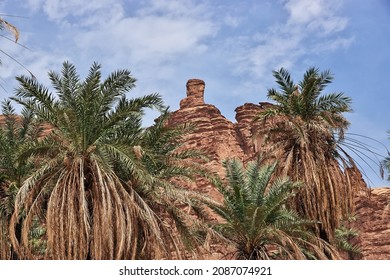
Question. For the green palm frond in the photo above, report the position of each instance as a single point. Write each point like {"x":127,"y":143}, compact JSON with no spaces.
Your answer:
{"x":258,"y":179}
{"x":385,"y":163}
{"x":257,"y":221}
{"x":334,"y":102}
{"x":66,"y":84}
{"x":29,"y":88}
{"x":283,"y":78}
{"x":280,"y":98}
{"x":16,"y":132}
{"x":343,"y":236}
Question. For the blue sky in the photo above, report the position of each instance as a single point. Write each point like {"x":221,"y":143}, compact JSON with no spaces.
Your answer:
{"x":232,"y":45}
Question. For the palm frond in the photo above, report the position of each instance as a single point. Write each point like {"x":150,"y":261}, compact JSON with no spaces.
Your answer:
{"x":263,"y":227}
{"x":6,"y":25}
{"x":283,"y":78}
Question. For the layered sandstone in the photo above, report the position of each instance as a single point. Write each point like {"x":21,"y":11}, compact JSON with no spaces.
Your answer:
{"x":213,"y":134}
{"x":373,"y":224}
{"x":247,"y":129}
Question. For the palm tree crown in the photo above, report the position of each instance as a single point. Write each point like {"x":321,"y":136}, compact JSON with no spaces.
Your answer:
{"x":306,"y":103}
{"x":257,"y":220}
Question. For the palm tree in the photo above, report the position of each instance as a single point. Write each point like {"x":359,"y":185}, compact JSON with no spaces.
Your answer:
{"x":385,"y":164}
{"x":305,"y":132}
{"x":15,"y":131}
{"x":257,"y":221}
{"x":181,"y":210}
{"x":82,"y":187}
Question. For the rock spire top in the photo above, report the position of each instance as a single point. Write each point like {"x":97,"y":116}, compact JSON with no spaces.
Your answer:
{"x":195,"y":94}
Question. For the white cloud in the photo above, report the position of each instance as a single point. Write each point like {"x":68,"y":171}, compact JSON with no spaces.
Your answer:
{"x":37,"y":62}
{"x":335,"y":44}
{"x":148,"y":37}
{"x":316,"y":15}
{"x":155,"y":35}
{"x":87,"y":13}
{"x":149,"y":32}
{"x":276,"y":49}
{"x":329,"y":25}
{"x":312,"y":26}
{"x":304,"y":11}
{"x":35,"y":5}
{"x":174,"y":9}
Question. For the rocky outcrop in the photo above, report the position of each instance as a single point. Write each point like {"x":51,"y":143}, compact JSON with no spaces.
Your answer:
{"x":213,"y":134}
{"x":195,"y":94}
{"x":247,"y":129}
{"x":221,"y":139}
{"x":373,"y":224}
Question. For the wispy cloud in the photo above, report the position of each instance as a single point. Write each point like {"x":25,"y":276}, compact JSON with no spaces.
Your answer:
{"x":153,"y":33}
{"x":155,"y":39}
{"x":87,"y":13}
{"x":38,"y":62}
{"x":231,"y":21}
{"x":152,"y":29}
{"x":148,"y":38}
{"x":311,"y":26}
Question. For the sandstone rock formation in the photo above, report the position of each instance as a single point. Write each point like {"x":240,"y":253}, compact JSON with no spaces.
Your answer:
{"x":247,"y":128}
{"x":221,"y":139}
{"x":195,"y":94}
{"x":373,"y":224}
{"x":214,"y":135}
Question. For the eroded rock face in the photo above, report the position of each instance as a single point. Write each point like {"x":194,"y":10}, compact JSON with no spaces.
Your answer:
{"x":221,"y":139}
{"x":247,"y":128}
{"x":373,"y":224}
{"x":213,"y":135}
